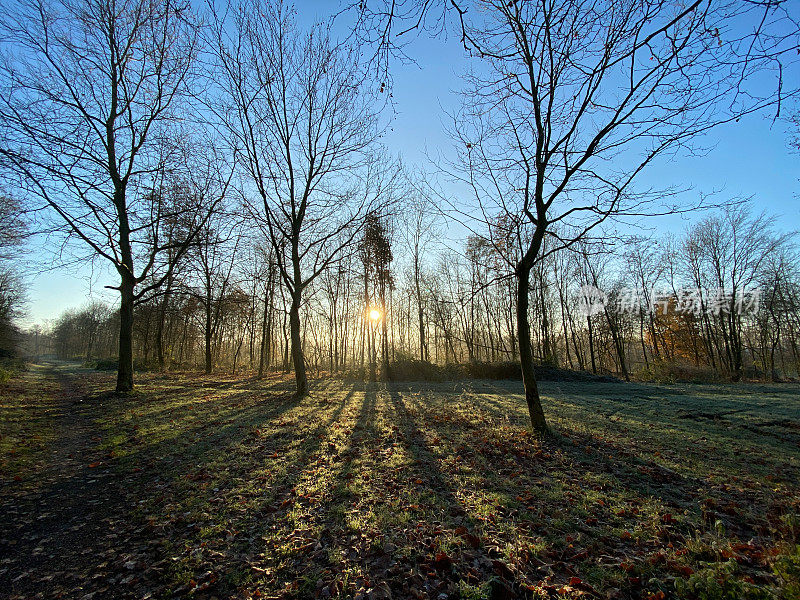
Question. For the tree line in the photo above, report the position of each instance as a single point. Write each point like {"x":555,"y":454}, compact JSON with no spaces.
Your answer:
{"x":721,"y":300}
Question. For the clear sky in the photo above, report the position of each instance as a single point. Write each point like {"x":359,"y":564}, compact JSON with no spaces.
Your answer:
{"x":749,"y":159}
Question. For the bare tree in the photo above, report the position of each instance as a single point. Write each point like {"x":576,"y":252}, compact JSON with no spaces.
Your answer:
{"x":646,"y":267}
{"x":729,"y":251}
{"x":13,"y":227}
{"x":299,"y":108}
{"x":214,"y":258}
{"x":89,"y":95}
{"x":417,"y":233}
{"x":572,"y":101}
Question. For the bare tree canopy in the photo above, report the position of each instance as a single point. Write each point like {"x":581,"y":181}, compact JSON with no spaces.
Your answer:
{"x":304,"y":120}
{"x":89,"y":97}
{"x":570,"y":101}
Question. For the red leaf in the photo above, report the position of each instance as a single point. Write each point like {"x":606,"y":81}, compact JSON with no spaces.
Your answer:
{"x":472,"y":540}
{"x":442,"y":562}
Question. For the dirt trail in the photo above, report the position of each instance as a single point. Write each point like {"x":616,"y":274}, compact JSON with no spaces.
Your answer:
{"x":60,"y":538}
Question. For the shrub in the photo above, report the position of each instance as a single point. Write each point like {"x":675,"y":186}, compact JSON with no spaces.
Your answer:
{"x":415,"y":370}
{"x":354,"y":374}
{"x":409,"y":369}
{"x":102,"y":364}
{"x":493,"y":370}
{"x":10,"y":367}
{"x":719,"y":581}
{"x":112,"y":364}
{"x":672,"y":372}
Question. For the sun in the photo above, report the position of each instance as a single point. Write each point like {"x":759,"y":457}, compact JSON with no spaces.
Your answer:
{"x":375,"y":314}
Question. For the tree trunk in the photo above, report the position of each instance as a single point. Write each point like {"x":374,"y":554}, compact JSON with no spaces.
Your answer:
{"x":591,"y":343}
{"x":208,"y":335}
{"x":264,"y":336}
{"x":266,"y":323}
{"x":145,"y":344}
{"x":526,"y":353}
{"x":89,"y":346}
{"x":162,"y":317}
{"x":384,"y":334}
{"x":548,"y":349}
{"x":641,"y":338}
{"x":423,"y":344}
{"x":365,"y":339}
{"x":126,"y":287}
{"x":300,"y":376}
{"x":125,"y":367}
{"x":619,"y":347}
{"x":373,"y":354}
{"x":511,"y":322}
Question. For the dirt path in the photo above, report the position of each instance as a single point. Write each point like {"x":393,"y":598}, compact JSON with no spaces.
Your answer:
{"x":65,"y":535}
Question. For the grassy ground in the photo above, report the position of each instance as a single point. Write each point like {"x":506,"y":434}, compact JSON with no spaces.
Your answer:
{"x":234,"y":489}
{"x":26,"y":423}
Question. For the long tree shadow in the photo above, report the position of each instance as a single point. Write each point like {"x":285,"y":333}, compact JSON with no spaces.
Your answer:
{"x":250,"y":488}
{"x":316,"y":546}
{"x":426,"y":461}
{"x":450,"y":512}
{"x":266,"y":503}
{"x":650,"y":425}
{"x":575,"y":467}
{"x":322,"y":511}
{"x":666,"y":417}
{"x":158,"y":483}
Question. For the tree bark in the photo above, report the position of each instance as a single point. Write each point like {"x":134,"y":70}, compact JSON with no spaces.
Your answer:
{"x":162,"y":317}
{"x":384,"y":334}
{"x":526,"y":353}
{"x":208,"y":334}
{"x":264,"y":336}
{"x":300,"y":375}
{"x":266,"y":322}
{"x":591,"y":343}
{"x":126,"y":287}
{"x":125,"y":367}
{"x":423,"y":344}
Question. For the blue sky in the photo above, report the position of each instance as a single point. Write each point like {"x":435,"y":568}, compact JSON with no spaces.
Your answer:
{"x":748,"y":159}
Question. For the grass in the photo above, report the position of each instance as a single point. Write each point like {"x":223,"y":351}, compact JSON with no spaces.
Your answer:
{"x":419,"y":490}
{"x":26,"y":424}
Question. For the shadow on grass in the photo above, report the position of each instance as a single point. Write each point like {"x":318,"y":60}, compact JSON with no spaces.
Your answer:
{"x":357,"y":483}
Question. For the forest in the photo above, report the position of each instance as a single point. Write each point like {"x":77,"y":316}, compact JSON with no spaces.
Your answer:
{"x":557,"y":357}
{"x":665,"y":314}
